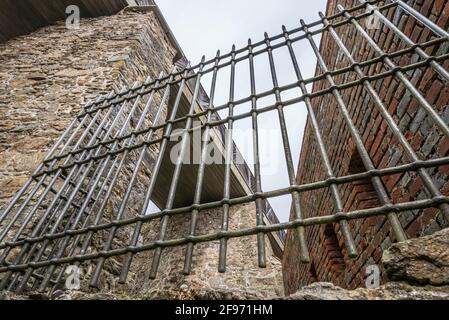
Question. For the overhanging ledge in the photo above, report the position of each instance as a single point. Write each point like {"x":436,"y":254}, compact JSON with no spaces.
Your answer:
{"x":154,"y":8}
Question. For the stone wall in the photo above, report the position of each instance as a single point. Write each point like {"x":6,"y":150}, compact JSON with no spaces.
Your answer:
{"x":242,"y":279}
{"x":49,"y":75}
{"x":46,"y":77}
{"x":330,"y":262}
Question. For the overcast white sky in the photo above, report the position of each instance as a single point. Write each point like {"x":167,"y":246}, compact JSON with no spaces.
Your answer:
{"x":204,"y":26}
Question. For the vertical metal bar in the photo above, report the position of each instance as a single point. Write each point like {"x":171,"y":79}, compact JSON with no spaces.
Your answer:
{"x":344,"y":225}
{"x":201,"y":169}
{"x":423,"y":19}
{"x":58,"y":195}
{"x":229,"y":146}
{"x":105,"y":169}
{"x":38,"y":169}
{"x":436,"y":66}
{"x":399,"y":74}
{"x":42,"y":179}
{"x":256,"y":155}
{"x":155,"y":172}
{"x":304,"y":252}
{"x":136,"y":169}
{"x":73,"y":170}
{"x":128,"y":258}
{"x":31,"y":195}
{"x":364,"y":155}
{"x":433,"y":190}
{"x":177,"y":172}
{"x":74,"y":192}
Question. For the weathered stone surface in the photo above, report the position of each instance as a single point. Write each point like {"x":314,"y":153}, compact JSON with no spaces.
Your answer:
{"x":390,"y":291}
{"x":47,"y":76}
{"x":423,"y":261}
{"x":418,"y":268}
{"x":242,"y":279}
{"x":67,"y":295}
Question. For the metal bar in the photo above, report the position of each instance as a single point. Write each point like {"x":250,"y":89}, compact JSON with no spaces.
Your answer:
{"x":81,"y":171}
{"x":423,"y":19}
{"x":155,"y":172}
{"x":176,"y":175}
{"x":410,"y":167}
{"x":435,"y":65}
{"x":20,"y":193}
{"x":229,"y":144}
{"x":31,"y":195}
{"x":122,"y":130}
{"x":241,"y":58}
{"x":304,"y":252}
{"x":41,"y":181}
{"x":201,"y":170}
{"x":159,"y":113}
{"x":344,"y":226}
{"x":270,"y":92}
{"x":428,"y":183}
{"x":262,"y":259}
{"x":115,"y":123}
{"x":109,"y":175}
{"x":128,"y":191}
{"x":364,"y":155}
{"x":390,"y":64}
{"x":158,"y":163}
{"x":332,"y":218}
{"x":54,"y":201}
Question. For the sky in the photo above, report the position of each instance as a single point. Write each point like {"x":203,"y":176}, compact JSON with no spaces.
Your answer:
{"x":203,"y":26}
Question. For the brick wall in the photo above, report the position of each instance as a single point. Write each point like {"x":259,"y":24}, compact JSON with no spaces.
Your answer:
{"x":330,"y":261}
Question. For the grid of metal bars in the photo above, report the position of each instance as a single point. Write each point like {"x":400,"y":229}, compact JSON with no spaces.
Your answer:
{"x":81,"y":171}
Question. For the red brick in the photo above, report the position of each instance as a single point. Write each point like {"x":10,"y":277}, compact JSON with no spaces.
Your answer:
{"x":443,"y":147}
{"x":434,"y":91}
{"x":438,"y":6}
{"x":414,"y":229}
{"x":444,"y":170}
{"x":442,"y":21}
{"x":417,"y":141}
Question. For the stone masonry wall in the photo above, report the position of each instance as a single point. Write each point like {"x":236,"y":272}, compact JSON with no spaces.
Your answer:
{"x":46,"y":77}
{"x":330,"y":262}
{"x":243,"y":278}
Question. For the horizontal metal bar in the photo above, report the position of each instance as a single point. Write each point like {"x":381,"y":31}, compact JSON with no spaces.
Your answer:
{"x":422,"y":18}
{"x":307,"y":222}
{"x":271,"y":92}
{"x":410,"y":167}
{"x":255,"y":53}
{"x":220,"y":122}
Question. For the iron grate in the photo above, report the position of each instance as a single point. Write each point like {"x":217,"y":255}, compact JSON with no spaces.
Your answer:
{"x":51,"y":221}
